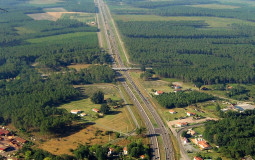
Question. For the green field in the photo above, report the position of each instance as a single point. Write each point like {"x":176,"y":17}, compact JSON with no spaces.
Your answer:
{"x":65,"y":37}
{"x":118,"y":120}
{"x":82,"y":17}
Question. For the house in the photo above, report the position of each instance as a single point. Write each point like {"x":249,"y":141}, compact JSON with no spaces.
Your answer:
{"x":3,"y":148}
{"x":198,"y":158}
{"x":4,"y":132}
{"x":181,"y":124}
{"x":172,"y":111}
{"x":185,"y":140}
{"x":230,"y":87}
{"x":111,"y":150}
{"x":202,"y":143}
{"x":191,"y":132}
{"x":83,"y":114}
{"x":20,"y":140}
{"x":125,"y":151}
{"x":190,"y":114}
{"x":75,"y":111}
{"x":159,"y":93}
{"x":95,"y":110}
{"x":115,"y":107}
{"x":142,"y":156}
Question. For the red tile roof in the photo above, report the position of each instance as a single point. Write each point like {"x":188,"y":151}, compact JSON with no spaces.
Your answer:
{"x":204,"y":144}
{"x":21,"y":140}
{"x":4,"y":131}
{"x":160,"y":92}
{"x":198,"y":158}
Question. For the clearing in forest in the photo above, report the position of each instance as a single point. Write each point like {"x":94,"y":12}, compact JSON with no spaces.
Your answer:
{"x":59,"y":9}
{"x":78,"y":67}
{"x":117,"y":120}
{"x":51,"y":16}
{"x":215,"y":6}
{"x":44,"y":1}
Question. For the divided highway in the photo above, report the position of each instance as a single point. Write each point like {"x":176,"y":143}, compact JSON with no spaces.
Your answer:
{"x":152,"y":130}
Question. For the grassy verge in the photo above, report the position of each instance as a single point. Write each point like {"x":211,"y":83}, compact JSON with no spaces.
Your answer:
{"x":161,"y":147}
{"x":132,"y":107}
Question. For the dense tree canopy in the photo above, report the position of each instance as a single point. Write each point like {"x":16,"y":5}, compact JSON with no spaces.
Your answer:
{"x":182,"y":99}
{"x":191,"y":50}
{"x":234,"y":134}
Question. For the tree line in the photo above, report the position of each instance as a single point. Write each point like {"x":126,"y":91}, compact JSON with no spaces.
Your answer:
{"x":182,"y":99}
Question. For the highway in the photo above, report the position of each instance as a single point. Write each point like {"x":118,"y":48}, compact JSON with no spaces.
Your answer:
{"x":131,"y":87}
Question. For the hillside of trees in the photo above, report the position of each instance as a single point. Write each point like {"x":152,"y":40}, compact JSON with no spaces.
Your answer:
{"x":234,"y":134}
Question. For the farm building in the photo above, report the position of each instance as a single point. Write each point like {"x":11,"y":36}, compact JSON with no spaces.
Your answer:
{"x":75,"y":111}
{"x":172,"y":111}
{"x":158,"y":93}
{"x":20,"y":140}
{"x":95,"y":110}
{"x":181,"y":124}
{"x":83,"y":114}
{"x":125,"y":151}
{"x":4,"y":132}
{"x":190,"y":114}
{"x":198,"y":158}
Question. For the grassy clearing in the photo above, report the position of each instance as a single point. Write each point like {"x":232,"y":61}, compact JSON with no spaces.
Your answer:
{"x":118,"y":121}
{"x":161,"y":147}
{"x":85,"y":104}
{"x":55,"y":9}
{"x":82,"y":17}
{"x":63,"y":37}
{"x":63,"y":145}
{"x":23,"y":30}
{"x":44,"y":1}
{"x":78,"y":67}
{"x":215,"y":6}
{"x":133,"y":108}
{"x":214,"y":22}
{"x":42,"y":16}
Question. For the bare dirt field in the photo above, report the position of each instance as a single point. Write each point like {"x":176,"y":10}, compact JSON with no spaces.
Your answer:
{"x":42,"y":16}
{"x":51,"y":16}
{"x":78,"y":67}
{"x":58,"y":146}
